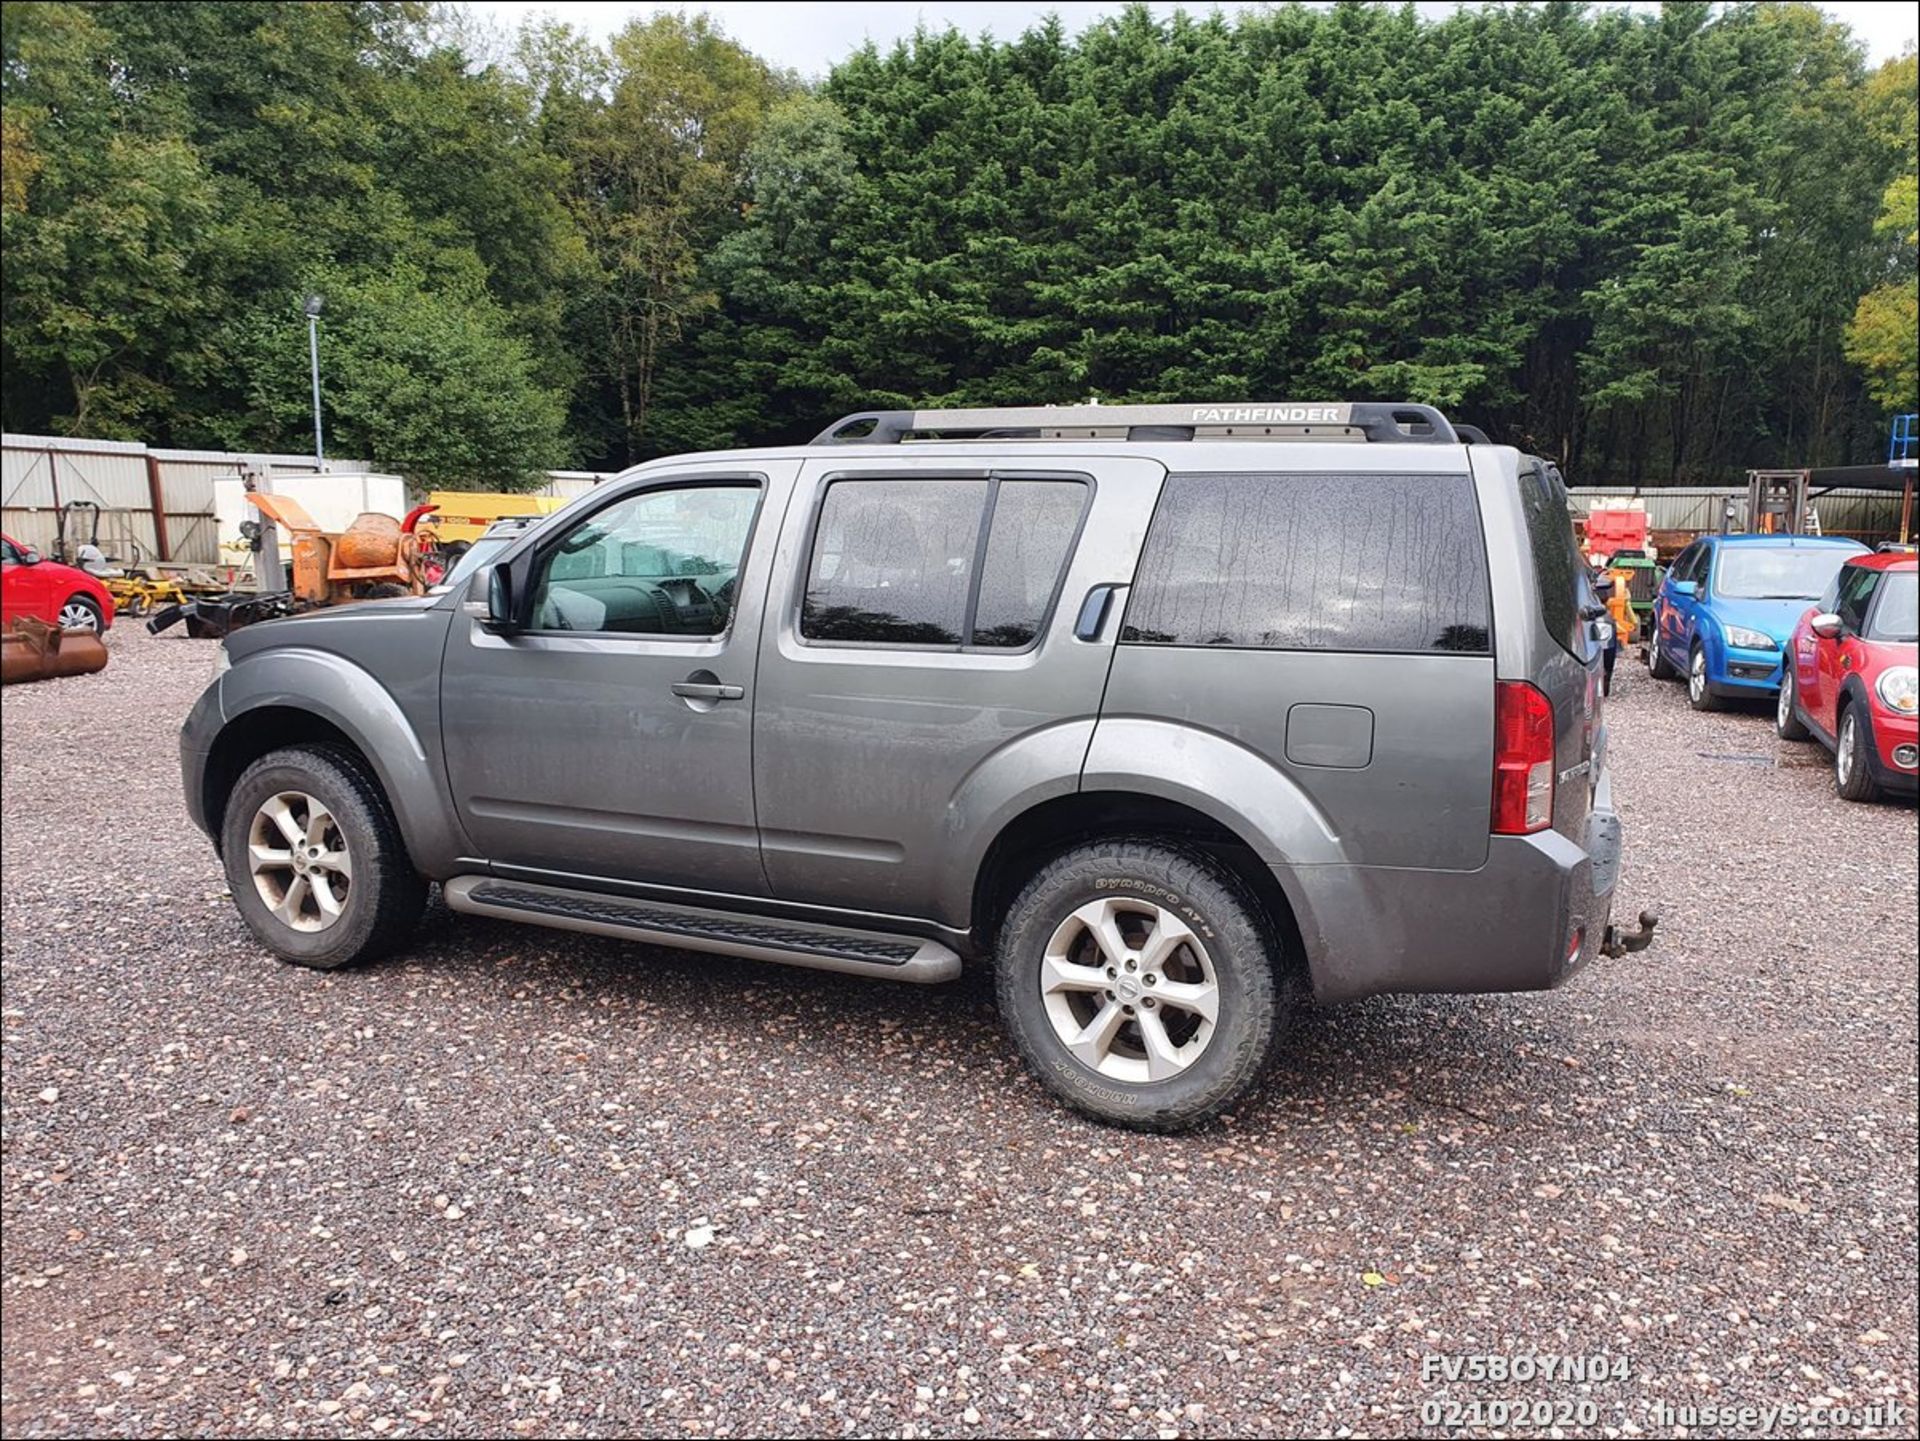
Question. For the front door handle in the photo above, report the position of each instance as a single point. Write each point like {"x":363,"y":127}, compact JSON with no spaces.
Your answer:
{"x":707,"y":690}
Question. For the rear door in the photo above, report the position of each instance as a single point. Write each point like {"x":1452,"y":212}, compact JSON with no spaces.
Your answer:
{"x":919,"y":658}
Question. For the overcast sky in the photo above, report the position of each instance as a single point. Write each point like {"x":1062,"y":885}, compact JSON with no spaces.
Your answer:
{"x":810,"y":37}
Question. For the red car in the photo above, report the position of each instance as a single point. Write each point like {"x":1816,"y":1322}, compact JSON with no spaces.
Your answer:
{"x":57,"y":594}
{"x":1850,"y":680}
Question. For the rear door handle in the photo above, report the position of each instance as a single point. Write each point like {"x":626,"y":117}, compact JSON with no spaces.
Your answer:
{"x":707,"y":690}
{"x":1093,"y":611}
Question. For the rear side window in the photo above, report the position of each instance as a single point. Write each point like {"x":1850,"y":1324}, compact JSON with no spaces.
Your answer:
{"x":939,"y":563}
{"x":1033,"y":526}
{"x":1314,"y":562}
{"x":1559,"y":573}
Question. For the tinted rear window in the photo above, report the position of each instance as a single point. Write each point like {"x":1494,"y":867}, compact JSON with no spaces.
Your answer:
{"x":1558,"y":570}
{"x":1314,"y":562}
{"x":891,"y":561}
{"x":902,"y":562}
{"x":1034,"y":522}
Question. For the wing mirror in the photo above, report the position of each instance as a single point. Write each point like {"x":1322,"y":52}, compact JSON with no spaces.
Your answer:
{"x":1683,"y":587}
{"x":29,"y":557}
{"x":1827,"y":625}
{"x":489,"y":598}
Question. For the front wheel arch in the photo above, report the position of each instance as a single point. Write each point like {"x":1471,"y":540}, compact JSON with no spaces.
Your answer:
{"x":254,"y":734}
{"x":81,"y":600}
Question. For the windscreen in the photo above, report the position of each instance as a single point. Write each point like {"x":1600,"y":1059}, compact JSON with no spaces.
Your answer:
{"x":1762,"y":572}
{"x":480,"y":553}
{"x":1897,"y":617}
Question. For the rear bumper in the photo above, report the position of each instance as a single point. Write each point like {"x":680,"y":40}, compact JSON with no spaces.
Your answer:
{"x":1528,"y":920}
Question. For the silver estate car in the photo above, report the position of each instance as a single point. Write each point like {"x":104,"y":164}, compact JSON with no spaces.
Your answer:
{"x":1176,"y":717}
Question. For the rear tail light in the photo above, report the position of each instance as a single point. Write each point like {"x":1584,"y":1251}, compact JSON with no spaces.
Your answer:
{"x":1522,"y":759}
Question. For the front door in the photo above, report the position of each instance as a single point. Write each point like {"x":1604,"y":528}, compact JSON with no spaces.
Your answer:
{"x":1841,"y":656}
{"x":1690,"y":610}
{"x":20,"y":587}
{"x":1671,"y":613}
{"x":611,"y":738}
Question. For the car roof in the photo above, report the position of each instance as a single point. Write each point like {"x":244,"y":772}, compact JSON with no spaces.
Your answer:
{"x":1886,"y":560}
{"x":1790,"y":542}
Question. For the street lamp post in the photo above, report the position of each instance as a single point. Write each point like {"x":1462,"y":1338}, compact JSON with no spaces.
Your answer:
{"x":314,"y":304}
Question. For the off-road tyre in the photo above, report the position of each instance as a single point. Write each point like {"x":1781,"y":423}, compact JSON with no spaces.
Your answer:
{"x":385,"y":895}
{"x":1243,"y":946}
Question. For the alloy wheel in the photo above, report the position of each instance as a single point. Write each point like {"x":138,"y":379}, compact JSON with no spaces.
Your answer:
{"x":300,"y":862}
{"x":1847,"y":754}
{"x":1130,"y":990}
{"x":1697,"y":675}
{"x":75,"y":616}
{"x":1783,"y":717}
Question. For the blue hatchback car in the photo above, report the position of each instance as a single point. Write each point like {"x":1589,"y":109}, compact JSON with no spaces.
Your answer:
{"x":1723,"y":615}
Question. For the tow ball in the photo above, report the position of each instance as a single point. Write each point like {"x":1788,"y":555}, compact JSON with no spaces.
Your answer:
{"x":1622,"y":943}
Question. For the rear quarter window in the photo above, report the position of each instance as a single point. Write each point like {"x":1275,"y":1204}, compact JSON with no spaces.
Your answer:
{"x":1343,"y":562}
{"x":1558,"y":570}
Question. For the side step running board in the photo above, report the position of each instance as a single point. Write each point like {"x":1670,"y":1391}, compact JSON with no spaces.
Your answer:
{"x":760,"y":938}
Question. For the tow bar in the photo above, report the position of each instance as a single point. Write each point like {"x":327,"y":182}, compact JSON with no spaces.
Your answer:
{"x":1622,"y":943}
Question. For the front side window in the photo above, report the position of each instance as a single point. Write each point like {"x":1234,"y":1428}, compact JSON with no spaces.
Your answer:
{"x":661,"y":563}
{"x":1857,"y":585}
{"x":1897,"y":617}
{"x":901,"y":562}
{"x":1342,"y":562}
{"x":1775,"y":572}
{"x":10,"y":552}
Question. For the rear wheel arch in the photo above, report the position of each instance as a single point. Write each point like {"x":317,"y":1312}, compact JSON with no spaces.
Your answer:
{"x":1042,"y":833}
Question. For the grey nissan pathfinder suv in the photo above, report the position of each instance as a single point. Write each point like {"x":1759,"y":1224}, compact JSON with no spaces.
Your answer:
{"x":1173,"y":715}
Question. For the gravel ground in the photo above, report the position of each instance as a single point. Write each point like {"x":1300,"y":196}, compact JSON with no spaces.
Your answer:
{"x":527,"y":1182}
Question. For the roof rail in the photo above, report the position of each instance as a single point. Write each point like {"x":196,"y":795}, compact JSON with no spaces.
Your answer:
{"x":1379,"y":422}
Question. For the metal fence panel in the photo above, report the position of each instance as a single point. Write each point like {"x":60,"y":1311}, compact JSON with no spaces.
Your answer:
{"x":1841,"y":512}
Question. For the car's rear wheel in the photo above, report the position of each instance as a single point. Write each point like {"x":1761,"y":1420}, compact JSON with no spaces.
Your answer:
{"x":314,"y":859}
{"x":82,"y":612}
{"x":1786,"y":722}
{"x":1141,"y":983}
{"x":1699,"y":693}
{"x":1658,"y":666}
{"x":1852,"y":768}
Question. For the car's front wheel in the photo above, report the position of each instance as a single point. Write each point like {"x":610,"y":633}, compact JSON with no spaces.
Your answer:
{"x":82,"y":612}
{"x":314,"y":859}
{"x":1141,"y":982}
{"x":1786,"y":723}
{"x":1852,"y":769}
{"x":1699,"y":693}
